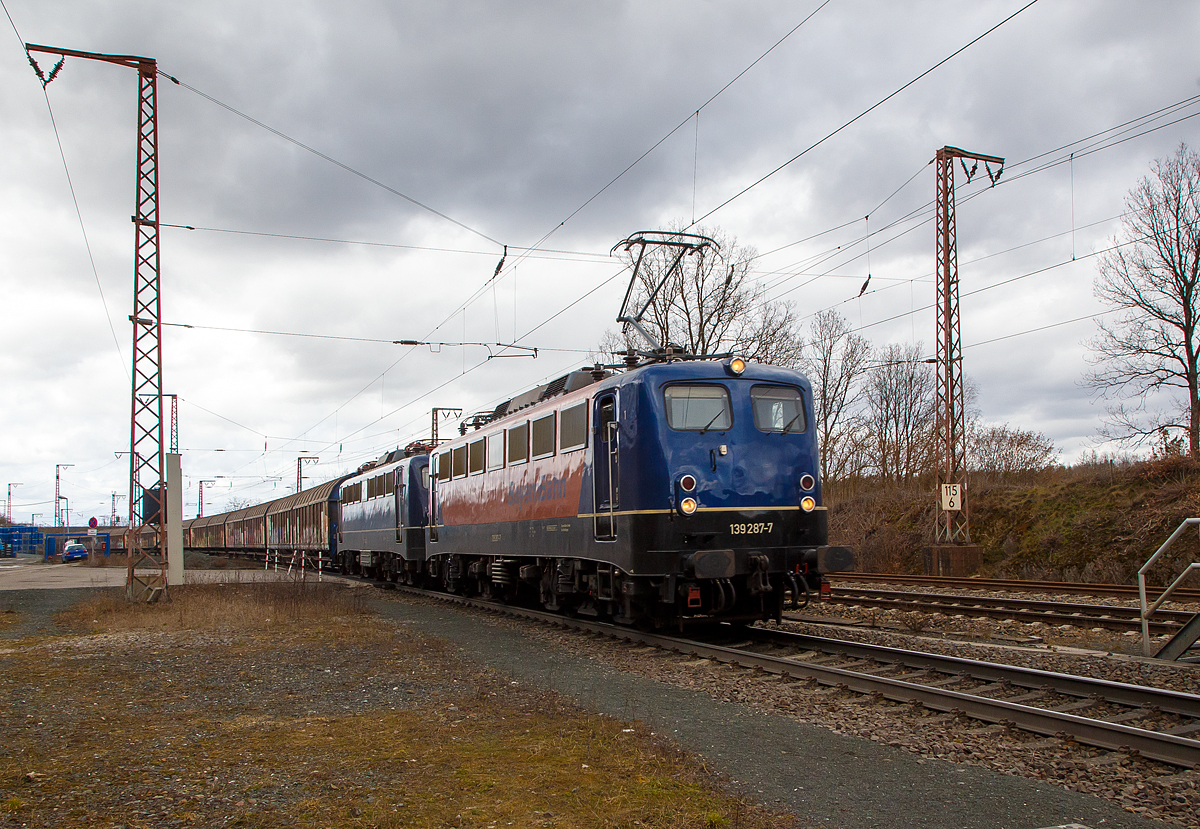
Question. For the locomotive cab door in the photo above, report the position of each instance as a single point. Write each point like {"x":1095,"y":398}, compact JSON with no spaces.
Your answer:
{"x":436,"y":462}
{"x":401,"y":506}
{"x":606,"y":467}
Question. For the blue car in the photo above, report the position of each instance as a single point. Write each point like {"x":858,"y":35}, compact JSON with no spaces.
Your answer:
{"x":74,"y":552}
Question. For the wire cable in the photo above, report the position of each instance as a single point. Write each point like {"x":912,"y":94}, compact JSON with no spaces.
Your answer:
{"x":330,"y":159}
{"x":862,"y":114}
{"x":362,"y":339}
{"x":79,"y":216}
{"x":679,"y":126}
{"x":567,"y":255}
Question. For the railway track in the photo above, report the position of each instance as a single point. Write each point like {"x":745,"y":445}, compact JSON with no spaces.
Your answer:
{"x":1156,"y":723}
{"x":1124,"y":591}
{"x":1024,"y":610}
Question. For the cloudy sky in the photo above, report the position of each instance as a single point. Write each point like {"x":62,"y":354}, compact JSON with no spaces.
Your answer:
{"x":510,"y":124}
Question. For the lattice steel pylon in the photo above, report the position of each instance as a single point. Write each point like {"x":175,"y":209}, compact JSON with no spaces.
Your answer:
{"x":953,"y":521}
{"x":147,"y":467}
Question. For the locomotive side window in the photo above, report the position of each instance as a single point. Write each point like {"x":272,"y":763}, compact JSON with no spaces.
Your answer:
{"x":543,"y":436}
{"x":608,"y":414}
{"x":572,"y":429}
{"x":698,"y":408}
{"x":389,"y":483}
{"x":495,"y":451}
{"x":475,"y":457}
{"x":444,"y":466}
{"x":518,"y":443}
{"x":459,"y":458}
{"x":778,"y":409}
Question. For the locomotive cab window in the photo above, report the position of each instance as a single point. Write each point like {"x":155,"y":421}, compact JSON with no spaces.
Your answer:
{"x":698,"y":408}
{"x":475,"y":457}
{"x":543,"y":436}
{"x":495,"y":451}
{"x":778,"y":409}
{"x":518,"y":443}
{"x":572,"y":428}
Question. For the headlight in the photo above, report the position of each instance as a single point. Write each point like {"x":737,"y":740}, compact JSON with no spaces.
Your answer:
{"x":688,"y":505}
{"x":687,"y":483}
{"x":808,"y":503}
{"x":807,"y":482}
{"x":736,"y":366}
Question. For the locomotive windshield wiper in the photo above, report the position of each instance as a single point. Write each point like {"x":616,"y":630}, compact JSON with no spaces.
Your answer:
{"x":790,"y":422}
{"x":711,"y":422}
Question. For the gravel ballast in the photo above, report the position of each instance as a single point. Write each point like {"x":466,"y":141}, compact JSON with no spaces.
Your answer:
{"x":840,"y":759}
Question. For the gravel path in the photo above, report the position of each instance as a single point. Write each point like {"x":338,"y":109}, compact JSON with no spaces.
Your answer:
{"x":843,"y":760}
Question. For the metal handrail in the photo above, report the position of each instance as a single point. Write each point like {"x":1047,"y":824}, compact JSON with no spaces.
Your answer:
{"x":1148,"y":610}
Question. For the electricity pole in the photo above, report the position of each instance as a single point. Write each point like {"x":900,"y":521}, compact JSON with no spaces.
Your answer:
{"x":445,"y":413}
{"x":115,"y":518}
{"x":147,"y":462}
{"x":174,"y":432}
{"x":200,"y":511}
{"x":300,"y":469}
{"x":8,"y":506}
{"x":57,"y":492}
{"x":953,"y":527}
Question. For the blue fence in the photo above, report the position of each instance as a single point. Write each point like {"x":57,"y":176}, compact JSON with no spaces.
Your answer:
{"x":52,"y":543}
{"x":20,"y":539}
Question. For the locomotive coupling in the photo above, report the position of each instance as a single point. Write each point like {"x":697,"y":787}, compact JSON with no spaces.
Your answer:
{"x":759,"y":581}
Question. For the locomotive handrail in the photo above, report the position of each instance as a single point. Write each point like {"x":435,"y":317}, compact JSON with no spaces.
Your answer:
{"x":1147,"y":609}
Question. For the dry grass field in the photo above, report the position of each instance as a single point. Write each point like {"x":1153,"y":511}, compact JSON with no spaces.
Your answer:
{"x":290,"y":705}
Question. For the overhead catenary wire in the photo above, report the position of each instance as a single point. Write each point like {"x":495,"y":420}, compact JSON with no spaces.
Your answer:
{"x":347,"y":338}
{"x":680,"y":126}
{"x":916,"y":212}
{"x":71,"y":185}
{"x":539,"y":253}
{"x":325,"y":157}
{"x":573,"y":303}
{"x":597,"y":287}
{"x":926,"y":209}
{"x":1008,"y":281}
{"x":862,"y":114}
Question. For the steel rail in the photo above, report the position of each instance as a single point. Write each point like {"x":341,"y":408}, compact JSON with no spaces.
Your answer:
{"x":1116,"y":617}
{"x":1136,"y":696}
{"x":1010,"y":585}
{"x":1167,"y":748}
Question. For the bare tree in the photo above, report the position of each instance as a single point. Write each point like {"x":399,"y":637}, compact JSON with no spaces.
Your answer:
{"x":900,"y":413}
{"x":710,"y":305}
{"x":1152,"y":280}
{"x":1006,"y":451}
{"x":834,"y":360}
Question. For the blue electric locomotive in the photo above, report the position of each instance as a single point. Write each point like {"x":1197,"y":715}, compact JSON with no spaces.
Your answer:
{"x":674,"y":491}
{"x":383,"y":512}
{"x":679,"y":489}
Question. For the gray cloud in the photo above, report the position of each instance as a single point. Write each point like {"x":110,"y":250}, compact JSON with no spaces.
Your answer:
{"x":508,"y":117}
